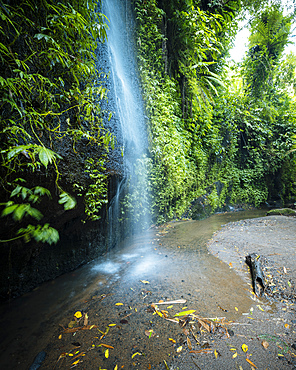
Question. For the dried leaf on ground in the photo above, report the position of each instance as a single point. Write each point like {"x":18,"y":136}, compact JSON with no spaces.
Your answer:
{"x":182,"y":301}
{"x":205,"y":350}
{"x":106,"y":345}
{"x":85,"y":321}
{"x":251,"y":363}
{"x":72,"y":330}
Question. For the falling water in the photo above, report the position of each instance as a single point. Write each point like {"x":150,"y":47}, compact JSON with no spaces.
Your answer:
{"x":132,"y":190}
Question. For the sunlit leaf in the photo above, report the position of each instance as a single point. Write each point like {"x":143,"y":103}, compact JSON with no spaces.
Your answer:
{"x":107,"y":353}
{"x":234,"y":355}
{"x":118,"y":304}
{"x":111,"y":325}
{"x":135,"y":354}
{"x":179,"y":349}
{"x":172,"y":340}
{"x":145,"y":281}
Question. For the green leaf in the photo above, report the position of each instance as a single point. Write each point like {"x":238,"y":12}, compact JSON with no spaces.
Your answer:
{"x":10,"y":208}
{"x":184,"y":313}
{"x":43,"y":234}
{"x":68,"y":201}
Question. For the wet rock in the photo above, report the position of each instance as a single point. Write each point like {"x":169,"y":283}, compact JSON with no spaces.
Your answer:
{"x":38,"y":361}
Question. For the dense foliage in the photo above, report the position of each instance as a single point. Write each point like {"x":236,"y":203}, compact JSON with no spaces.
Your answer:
{"x":218,"y":132}
{"x":49,"y":89}
{"x":210,"y":135}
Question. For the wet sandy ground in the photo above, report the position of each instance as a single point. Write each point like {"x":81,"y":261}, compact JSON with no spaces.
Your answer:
{"x":122,"y":330}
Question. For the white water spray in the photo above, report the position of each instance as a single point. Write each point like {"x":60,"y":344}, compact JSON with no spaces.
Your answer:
{"x":132,"y":193}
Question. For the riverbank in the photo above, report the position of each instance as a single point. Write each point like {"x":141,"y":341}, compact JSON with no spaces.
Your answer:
{"x":130,"y":303}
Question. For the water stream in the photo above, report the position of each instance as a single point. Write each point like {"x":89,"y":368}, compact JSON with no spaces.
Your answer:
{"x":177,"y":265}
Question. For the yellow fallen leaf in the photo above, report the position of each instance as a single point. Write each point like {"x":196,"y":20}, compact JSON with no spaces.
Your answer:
{"x":171,"y":306}
{"x":75,"y":362}
{"x":159,"y":313}
{"x":172,"y":340}
{"x":107,"y":353}
{"x":60,"y":336}
{"x":236,"y":309}
{"x":110,"y":325}
{"x":135,"y":354}
{"x":78,"y":314}
{"x":287,"y":326}
{"x":70,"y":354}
{"x":234,"y":355}
{"x":260,"y":308}
{"x":145,"y":281}
{"x":216,"y":354}
{"x":118,"y":304}
{"x":116,"y":367}
{"x":179,"y":349}
{"x":184,"y":308}
{"x":245,"y":347}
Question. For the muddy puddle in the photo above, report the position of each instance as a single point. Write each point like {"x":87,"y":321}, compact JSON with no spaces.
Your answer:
{"x":169,"y":263}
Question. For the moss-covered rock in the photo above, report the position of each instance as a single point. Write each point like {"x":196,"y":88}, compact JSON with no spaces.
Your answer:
{"x":281,"y":212}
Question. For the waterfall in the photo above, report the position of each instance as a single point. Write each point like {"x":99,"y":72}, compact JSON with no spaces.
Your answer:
{"x":126,"y":102}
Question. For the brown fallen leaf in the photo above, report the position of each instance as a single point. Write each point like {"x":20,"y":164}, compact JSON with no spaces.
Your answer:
{"x":106,"y":345}
{"x":87,"y":327}
{"x":204,"y":324}
{"x":189,"y":344}
{"x":85,"y":320}
{"x":265,"y":344}
{"x":205,"y":350}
